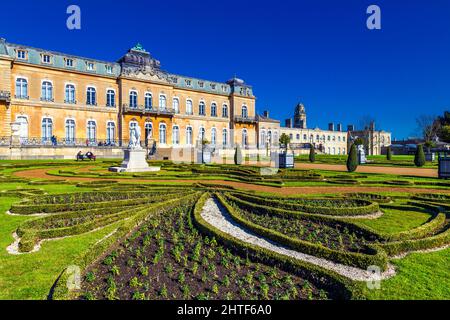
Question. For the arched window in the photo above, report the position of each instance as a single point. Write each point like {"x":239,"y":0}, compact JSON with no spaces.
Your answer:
{"x":175,"y":135}
{"x":275,"y":138}
{"x":317,"y":138}
{"x":225,"y":111}
{"x":47,"y":129}
{"x":110,"y":132}
{"x":23,"y":129}
{"x":263,"y":141}
{"x":21,"y":88}
{"x":70,"y":131}
{"x":269,"y":137}
{"x":176,"y":105}
{"x":213,"y":110}
{"x":70,"y":93}
{"x":91,"y":96}
{"x":91,"y":131}
{"x":148,"y":128}
{"x":47,"y":91}
{"x":213,"y":136}
{"x":224,"y":137}
{"x":244,"y":137}
{"x":148,"y":101}
{"x":201,"y":108}
{"x":189,"y":135}
{"x":110,"y":98}
{"x":244,"y":112}
{"x":162,"y":102}
{"x":162,"y":133}
{"x":133,"y":99}
{"x":188,"y":106}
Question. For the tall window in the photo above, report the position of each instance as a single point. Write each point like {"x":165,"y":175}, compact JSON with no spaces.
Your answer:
{"x":244,"y":137}
{"x":133,"y":99}
{"x":21,"y":88}
{"x":162,"y":102}
{"x":176,"y":105}
{"x":224,"y":137}
{"x":213,"y":136}
{"x":162,"y":133}
{"x":148,"y":101}
{"x":47,"y":91}
{"x":47,"y":129}
{"x":262,"y":143}
{"x":201,"y":108}
{"x":175,"y":135}
{"x":225,"y":111}
{"x":269,"y":137}
{"x":70,"y":93}
{"x":244,"y":112}
{"x":148,"y":132}
{"x":110,"y":132}
{"x":110,"y":98}
{"x":188,"y":106}
{"x":213,"y":110}
{"x":91,"y":131}
{"x":275,"y":138}
{"x":70,"y":130}
{"x":91,"y":96}
{"x":189,"y":135}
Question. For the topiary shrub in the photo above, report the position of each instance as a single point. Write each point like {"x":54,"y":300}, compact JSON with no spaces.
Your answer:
{"x":352,"y":160}
{"x":419,"y":158}
{"x":237,"y":155}
{"x":389,"y":154}
{"x":312,"y":154}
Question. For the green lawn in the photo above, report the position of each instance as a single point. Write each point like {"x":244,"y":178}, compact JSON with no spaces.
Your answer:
{"x":398,"y":220}
{"x":419,"y":276}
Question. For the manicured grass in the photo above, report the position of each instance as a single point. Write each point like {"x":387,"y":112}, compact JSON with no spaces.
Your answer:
{"x":398,"y":220}
{"x":419,"y":276}
{"x":30,"y":276}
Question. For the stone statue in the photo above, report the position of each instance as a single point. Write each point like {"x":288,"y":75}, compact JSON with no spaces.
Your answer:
{"x":135,"y":138}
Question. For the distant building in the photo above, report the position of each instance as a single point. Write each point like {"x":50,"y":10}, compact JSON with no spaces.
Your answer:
{"x":375,"y":141}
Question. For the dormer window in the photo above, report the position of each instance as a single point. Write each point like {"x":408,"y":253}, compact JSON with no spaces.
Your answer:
{"x":213,"y":86}
{"x":201,"y":84}
{"x":69,"y":63}
{"x":46,"y":59}
{"x":21,"y":54}
{"x":90,"y":66}
{"x":188,"y":82}
{"x":109,"y":69}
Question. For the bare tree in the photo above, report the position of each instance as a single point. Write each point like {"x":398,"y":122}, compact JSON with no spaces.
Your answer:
{"x":428,"y":127}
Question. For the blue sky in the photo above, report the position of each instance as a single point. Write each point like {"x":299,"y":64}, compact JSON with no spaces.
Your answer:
{"x":318,"y":52}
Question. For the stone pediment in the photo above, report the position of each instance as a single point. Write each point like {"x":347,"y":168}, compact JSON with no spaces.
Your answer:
{"x":145,"y":73}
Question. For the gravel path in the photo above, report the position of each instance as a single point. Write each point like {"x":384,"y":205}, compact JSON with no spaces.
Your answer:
{"x":216,"y":215}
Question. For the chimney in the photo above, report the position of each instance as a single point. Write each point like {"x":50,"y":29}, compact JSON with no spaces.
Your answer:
{"x":288,"y":123}
{"x":372,"y":126}
{"x":266,"y":113}
{"x":331,"y":126}
{"x":350,"y":127}
{"x":339,"y":127}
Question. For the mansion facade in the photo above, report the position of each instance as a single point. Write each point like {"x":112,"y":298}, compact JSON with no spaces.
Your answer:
{"x":51,"y":99}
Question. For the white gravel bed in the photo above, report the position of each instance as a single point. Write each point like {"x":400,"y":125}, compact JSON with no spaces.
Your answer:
{"x":404,"y":254}
{"x":216,"y":215}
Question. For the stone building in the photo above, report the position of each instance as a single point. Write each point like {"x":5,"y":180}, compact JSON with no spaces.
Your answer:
{"x":375,"y":141}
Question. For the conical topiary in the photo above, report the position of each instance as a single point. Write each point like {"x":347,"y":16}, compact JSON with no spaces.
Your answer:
{"x":419,"y":158}
{"x":389,"y":154}
{"x":352,"y":160}
{"x":237,"y":155}
{"x":312,"y":154}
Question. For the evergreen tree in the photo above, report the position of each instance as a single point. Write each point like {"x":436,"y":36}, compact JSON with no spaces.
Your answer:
{"x":352,"y":160}
{"x":312,"y":153}
{"x":237,"y":155}
{"x":389,"y":154}
{"x":419,"y":158}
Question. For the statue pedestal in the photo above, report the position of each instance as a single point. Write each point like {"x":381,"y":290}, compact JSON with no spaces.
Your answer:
{"x":134,"y":161}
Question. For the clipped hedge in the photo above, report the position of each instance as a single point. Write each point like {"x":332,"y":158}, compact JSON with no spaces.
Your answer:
{"x":369,"y":196}
{"x":359,"y":260}
{"x":364,"y":207}
{"x":338,"y":286}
